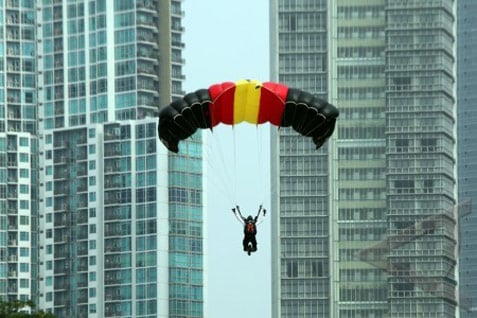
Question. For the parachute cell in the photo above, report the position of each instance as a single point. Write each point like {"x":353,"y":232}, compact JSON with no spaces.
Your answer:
{"x":246,"y":101}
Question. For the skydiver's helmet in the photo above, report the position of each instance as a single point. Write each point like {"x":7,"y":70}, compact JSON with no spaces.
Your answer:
{"x":249,"y":219}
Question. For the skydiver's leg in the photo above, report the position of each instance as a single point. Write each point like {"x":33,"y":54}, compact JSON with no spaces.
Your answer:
{"x":245,"y":243}
{"x":253,"y":240}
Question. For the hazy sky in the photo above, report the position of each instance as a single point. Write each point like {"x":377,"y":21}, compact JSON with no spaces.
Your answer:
{"x":228,"y":41}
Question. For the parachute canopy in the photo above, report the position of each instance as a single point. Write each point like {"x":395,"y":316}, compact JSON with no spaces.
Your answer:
{"x":246,"y":101}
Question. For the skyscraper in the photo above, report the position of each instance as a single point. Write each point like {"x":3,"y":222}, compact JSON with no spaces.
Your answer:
{"x":18,"y":152}
{"x":467,"y":151}
{"x":300,"y":175}
{"x":366,"y":225}
{"x":110,"y":224}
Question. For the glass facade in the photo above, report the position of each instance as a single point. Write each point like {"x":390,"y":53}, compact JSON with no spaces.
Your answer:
{"x":99,"y":41}
{"x":186,"y":248}
{"x":18,"y":152}
{"x":386,"y":181}
{"x":65,"y":209}
{"x":121,"y":219}
{"x":104,"y":217}
{"x":467,"y":152}
{"x":421,"y":157}
{"x":359,"y":203}
{"x":18,"y":216}
{"x":80,"y":82}
{"x":300,"y":177}
{"x":420,"y":136}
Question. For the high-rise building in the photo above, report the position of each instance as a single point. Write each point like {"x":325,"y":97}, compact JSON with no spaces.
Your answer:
{"x":467,"y":152}
{"x":358,"y":213}
{"x":300,"y":175}
{"x":97,"y":218}
{"x":366,"y":225}
{"x":18,"y":151}
{"x":122,"y":224}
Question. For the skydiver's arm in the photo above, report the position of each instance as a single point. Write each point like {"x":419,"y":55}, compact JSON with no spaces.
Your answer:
{"x":258,"y":213}
{"x":264,"y":212}
{"x":240,"y":214}
{"x":239,"y":217}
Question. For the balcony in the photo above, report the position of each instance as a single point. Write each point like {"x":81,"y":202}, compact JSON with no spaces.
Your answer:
{"x":149,"y":6}
{"x":12,"y":274}
{"x":12,"y":180}
{"x":12,"y":194}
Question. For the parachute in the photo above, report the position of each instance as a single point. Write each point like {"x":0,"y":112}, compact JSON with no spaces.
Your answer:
{"x":246,"y":101}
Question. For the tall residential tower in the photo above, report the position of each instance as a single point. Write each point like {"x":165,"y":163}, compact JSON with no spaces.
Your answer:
{"x":119,"y":219}
{"x":18,"y":151}
{"x":366,"y":225}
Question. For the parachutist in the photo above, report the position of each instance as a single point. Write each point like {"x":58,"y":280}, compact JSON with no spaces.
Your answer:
{"x":250,"y":228}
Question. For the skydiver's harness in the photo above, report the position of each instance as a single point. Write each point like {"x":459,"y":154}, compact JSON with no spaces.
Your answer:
{"x":250,"y":228}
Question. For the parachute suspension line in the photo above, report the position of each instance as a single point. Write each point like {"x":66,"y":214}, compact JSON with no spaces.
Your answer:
{"x":218,"y":175}
{"x":260,"y":161}
{"x":235,"y":164}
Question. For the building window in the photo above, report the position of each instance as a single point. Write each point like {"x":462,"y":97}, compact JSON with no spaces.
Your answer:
{"x":24,"y":189}
{"x":24,"y":252}
{"x":24,"y":267}
{"x":428,"y":186}
{"x":24,"y":236}
{"x":24,"y":173}
{"x":23,"y":142}
{"x":24,"y":220}
{"x":404,"y":186}
{"x":292,"y":269}
{"x":402,"y":145}
{"x":24,"y":283}
{"x":428,"y":145}
{"x":24,"y":204}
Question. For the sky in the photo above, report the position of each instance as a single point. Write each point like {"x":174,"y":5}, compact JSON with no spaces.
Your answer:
{"x":228,"y":41}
